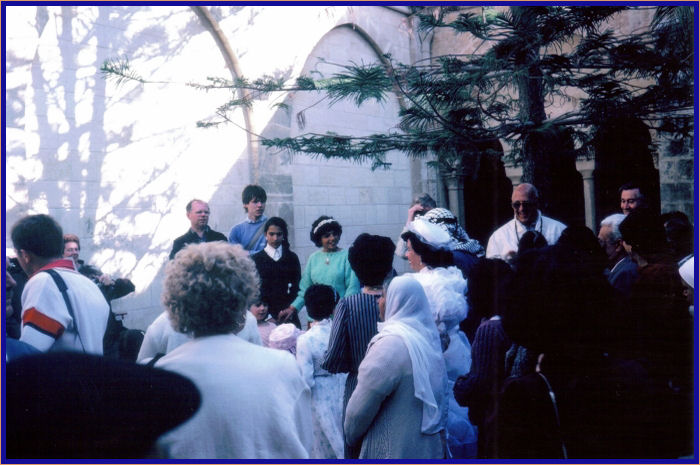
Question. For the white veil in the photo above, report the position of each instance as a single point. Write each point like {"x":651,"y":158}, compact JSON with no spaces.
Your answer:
{"x":408,"y":316}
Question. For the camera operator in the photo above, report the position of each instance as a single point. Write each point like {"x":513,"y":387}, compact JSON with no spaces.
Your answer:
{"x":111,"y":289}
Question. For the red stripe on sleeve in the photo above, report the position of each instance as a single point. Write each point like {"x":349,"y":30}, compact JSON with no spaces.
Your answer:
{"x":43,"y":323}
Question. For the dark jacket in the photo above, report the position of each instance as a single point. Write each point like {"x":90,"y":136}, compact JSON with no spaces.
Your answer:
{"x":607,"y":409}
{"x":191,"y":237}
{"x":279,"y":280}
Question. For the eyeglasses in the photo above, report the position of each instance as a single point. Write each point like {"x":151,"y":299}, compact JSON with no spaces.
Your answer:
{"x":516,"y":205}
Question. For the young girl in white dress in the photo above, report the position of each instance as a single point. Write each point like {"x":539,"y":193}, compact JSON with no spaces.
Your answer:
{"x":260,"y":311}
{"x":326,"y":388}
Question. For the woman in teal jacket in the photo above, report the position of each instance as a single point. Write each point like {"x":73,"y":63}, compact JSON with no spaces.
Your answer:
{"x":329,"y":265}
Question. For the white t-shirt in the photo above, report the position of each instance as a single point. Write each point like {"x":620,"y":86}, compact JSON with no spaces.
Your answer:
{"x":46,"y":322}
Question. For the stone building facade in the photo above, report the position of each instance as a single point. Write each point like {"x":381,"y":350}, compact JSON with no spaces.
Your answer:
{"x":116,"y":164}
{"x":626,"y":149}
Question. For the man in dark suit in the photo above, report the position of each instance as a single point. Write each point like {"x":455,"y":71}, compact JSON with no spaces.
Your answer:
{"x":622,"y":269}
{"x":198,"y":214}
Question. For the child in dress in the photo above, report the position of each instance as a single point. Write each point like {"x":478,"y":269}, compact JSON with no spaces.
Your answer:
{"x":265,"y":322}
{"x":326,"y":388}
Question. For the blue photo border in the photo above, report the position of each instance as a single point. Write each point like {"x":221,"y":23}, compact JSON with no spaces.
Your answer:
{"x":696,"y":4}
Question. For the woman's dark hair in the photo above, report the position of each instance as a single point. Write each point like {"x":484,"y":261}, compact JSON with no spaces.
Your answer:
{"x":487,"y":286}
{"x":644,"y":231}
{"x":531,"y":240}
{"x":679,"y":233}
{"x":320,"y":300}
{"x":557,"y":303}
{"x":333,"y":225}
{"x":371,"y":258}
{"x":581,"y":244}
{"x":430,"y":255}
{"x":280,"y":223}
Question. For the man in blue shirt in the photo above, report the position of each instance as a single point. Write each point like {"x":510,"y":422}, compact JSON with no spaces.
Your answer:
{"x":249,"y":233}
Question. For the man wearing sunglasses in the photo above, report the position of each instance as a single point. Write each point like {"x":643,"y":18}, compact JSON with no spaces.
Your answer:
{"x":503,"y":243}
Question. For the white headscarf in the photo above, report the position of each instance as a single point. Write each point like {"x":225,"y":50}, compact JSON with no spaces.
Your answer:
{"x":408,"y":316}
{"x":687,"y":271}
{"x":459,"y":239}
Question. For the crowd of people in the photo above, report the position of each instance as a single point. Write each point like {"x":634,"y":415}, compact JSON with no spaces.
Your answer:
{"x":551,"y":342}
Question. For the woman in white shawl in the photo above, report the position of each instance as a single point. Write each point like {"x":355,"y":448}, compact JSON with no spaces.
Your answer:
{"x":399,"y":408}
{"x":428,"y":252}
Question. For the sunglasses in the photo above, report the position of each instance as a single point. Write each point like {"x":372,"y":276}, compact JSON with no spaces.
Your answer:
{"x":516,"y":205}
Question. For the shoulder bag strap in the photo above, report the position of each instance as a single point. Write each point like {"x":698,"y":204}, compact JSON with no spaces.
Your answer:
{"x":255,"y":237}
{"x":61,"y":284}
{"x":553,"y":398}
{"x":153,"y":361}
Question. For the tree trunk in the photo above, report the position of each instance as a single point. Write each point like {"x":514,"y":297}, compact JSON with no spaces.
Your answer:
{"x":547,"y":154}
{"x":535,"y":151}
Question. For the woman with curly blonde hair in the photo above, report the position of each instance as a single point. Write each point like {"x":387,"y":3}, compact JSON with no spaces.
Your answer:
{"x":208,"y":288}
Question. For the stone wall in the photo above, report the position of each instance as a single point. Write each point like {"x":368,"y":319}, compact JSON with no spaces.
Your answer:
{"x":116,"y":164}
{"x":677,"y":172}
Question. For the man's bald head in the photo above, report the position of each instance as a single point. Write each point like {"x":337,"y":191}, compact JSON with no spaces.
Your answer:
{"x":528,"y":190}
{"x":524,"y":203}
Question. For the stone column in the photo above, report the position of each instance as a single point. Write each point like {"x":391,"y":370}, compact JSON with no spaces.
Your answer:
{"x":515,"y":174}
{"x":586,"y":168}
{"x":455,"y":195}
{"x":415,"y":169}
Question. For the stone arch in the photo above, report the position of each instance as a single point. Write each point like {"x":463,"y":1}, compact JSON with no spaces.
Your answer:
{"x":234,"y":67}
{"x":623,"y":154}
{"x":380,"y":56}
{"x":361,"y":199}
{"x":416,"y":182}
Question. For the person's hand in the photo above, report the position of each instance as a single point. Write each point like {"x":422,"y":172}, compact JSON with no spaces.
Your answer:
{"x":285,"y":314}
{"x":106,"y":280}
{"x":417,"y":208}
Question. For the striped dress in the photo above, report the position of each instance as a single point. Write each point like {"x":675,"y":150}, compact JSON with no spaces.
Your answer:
{"x":354,"y":325}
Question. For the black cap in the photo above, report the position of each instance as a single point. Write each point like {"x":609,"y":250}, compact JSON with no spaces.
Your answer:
{"x":72,"y":405}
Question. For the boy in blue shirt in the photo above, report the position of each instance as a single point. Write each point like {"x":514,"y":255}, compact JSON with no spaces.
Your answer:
{"x":249,"y":233}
